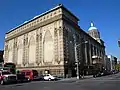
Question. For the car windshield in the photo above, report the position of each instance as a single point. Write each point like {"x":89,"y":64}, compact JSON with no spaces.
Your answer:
{"x":27,"y":73}
{"x":35,"y":73}
{"x":47,"y":75}
{"x":23,"y":73}
{"x":5,"y":73}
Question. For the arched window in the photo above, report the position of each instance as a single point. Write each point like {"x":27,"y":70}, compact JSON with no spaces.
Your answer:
{"x":32,"y":50}
{"x":48,"y":47}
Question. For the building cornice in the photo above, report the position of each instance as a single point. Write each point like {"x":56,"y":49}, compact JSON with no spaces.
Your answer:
{"x":44,"y":66}
{"x":34,"y":27}
{"x":43,"y":14}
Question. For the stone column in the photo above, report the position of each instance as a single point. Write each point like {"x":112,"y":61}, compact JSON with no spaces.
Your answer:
{"x":37,"y":49}
{"x":6,"y":52}
{"x":61,"y":48}
{"x":25,"y":50}
{"x":86,"y":58}
{"x":56,"y":45}
{"x":15,"y":51}
{"x":97,"y":51}
{"x":90,"y":54}
{"x":23,"y":58}
{"x":40,"y":48}
{"x":93,"y":50}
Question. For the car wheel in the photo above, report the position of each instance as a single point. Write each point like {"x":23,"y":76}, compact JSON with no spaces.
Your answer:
{"x":28,"y":79}
{"x":2,"y":82}
{"x":49,"y":79}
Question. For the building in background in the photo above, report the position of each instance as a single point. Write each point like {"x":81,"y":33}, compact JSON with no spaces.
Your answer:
{"x":118,"y":62}
{"x":46,"y":43}
{"x":118,"y":65}
{"x":98,"y":52}
{"x":107,"y":64}
{"x":113,"y":61}
{"x":1,"y":58}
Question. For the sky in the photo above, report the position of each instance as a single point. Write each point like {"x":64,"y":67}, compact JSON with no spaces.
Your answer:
{"x":104,"y":13}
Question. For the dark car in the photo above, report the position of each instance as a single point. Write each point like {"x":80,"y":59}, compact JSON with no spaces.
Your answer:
{"x":21,"y":78}
{"x":96,"y":73}
{"x":39,"y":78}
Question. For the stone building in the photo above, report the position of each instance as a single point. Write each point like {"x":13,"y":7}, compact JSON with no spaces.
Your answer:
{"x":107,"y":63}
{"x":47,"y":42}
{"x":113,"y":62}
{"x":1,"y":56}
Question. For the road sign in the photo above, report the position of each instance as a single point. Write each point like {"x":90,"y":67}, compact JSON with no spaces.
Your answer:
{"x":119,"y":43}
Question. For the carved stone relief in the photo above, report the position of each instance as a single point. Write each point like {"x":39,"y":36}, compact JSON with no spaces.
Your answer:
{"x":56,"y":45}
{"x":15,"y":51}
{"x":37,"y":48}
{"x":25,"y":50}
{"x":40,"y":47}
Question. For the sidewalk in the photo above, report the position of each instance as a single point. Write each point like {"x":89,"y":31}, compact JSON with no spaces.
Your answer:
{"x":87,"y":77}
{"x":75,"y":79}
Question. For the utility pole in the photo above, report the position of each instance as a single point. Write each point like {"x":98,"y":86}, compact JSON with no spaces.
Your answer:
{"x":76,"y":59}
{"x":77,"y":62}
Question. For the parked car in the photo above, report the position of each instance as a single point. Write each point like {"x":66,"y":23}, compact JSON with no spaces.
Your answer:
{"x":114,"y":71}
{"x":21,"y":78}
{"x":30,"y":74}
{"x":6,"y":77}
{"x":39,"y":78}
{"x":97,"y":73}
{"x":106,"y":72}
{"x":49,"y":77}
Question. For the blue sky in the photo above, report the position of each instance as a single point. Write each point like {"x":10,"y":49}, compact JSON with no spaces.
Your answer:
{"x":104,"y":13}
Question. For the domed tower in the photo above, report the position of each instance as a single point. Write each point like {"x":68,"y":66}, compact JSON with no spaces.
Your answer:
{"x":93,"y":31}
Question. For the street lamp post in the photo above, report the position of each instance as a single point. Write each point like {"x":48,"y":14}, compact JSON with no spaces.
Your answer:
{"x":77,"y":62}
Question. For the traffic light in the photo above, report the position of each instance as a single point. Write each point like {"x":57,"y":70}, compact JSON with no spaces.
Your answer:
{"x":119,"y":43}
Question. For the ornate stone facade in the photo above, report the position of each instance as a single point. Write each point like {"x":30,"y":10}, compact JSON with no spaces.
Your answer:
{"x":47,"y":43}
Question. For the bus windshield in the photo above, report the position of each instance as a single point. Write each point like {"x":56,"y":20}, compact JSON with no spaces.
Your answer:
{"x":11,"y":67}
{"x":5,"y":73}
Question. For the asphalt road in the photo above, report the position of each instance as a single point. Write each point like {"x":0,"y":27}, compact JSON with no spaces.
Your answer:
{"x":111,"y":82}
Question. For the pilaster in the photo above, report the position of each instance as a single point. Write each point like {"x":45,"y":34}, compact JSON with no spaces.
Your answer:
{"x":37,"y":48}
{"x":56,"y":43}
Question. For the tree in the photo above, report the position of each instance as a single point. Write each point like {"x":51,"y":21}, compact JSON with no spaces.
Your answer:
{"x":118,"y":66}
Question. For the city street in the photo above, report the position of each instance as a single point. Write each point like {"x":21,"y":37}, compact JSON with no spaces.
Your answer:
{"x":111,"y":82}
